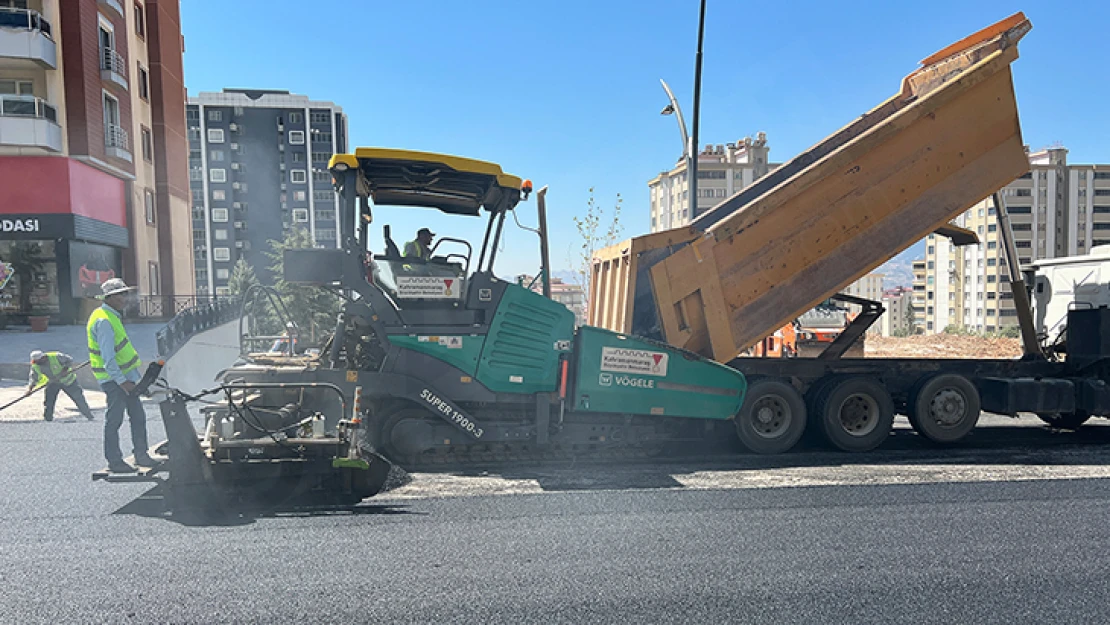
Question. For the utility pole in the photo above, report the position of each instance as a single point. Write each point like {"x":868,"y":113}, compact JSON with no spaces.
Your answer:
{"x":692,"y":170}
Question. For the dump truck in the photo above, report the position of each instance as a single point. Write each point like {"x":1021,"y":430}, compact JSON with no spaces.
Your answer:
{"x":948,"y":139}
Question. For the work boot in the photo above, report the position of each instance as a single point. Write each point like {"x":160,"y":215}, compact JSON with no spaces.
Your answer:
{"x":146,"y":461}
{"x":119,"y":466}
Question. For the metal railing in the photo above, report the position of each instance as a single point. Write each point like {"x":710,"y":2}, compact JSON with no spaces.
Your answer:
{"x":24,"y":19}
{"x":27,"y":106}
{"x":204,"y":314}
{"x":116,"y":137}
{"x":112,"y":61}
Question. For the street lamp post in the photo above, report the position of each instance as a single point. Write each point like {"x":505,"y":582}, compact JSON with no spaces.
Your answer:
{"x":690,"y":143}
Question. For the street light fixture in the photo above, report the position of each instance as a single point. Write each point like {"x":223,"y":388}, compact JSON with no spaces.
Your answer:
{"x":690,"y":144}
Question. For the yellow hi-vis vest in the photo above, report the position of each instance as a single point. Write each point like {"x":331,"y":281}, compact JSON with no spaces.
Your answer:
{"x":126,"y":356}
{"x":53,"y":369}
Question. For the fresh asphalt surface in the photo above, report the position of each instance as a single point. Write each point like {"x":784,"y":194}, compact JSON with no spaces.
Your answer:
{"x":996,"y":551}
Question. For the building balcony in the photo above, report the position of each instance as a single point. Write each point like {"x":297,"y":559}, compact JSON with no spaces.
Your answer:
{"x":113,"y":68}
{"x":114,"y":5}
{"x":29,"y":122}
{"x":25,"y":35}
{"x":116,"y":142}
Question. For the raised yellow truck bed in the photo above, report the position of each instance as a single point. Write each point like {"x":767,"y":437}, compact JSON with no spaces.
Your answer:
{"x":948,"y":139}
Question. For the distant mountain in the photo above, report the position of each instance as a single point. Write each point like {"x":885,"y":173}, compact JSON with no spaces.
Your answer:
{"x":898,"y":271}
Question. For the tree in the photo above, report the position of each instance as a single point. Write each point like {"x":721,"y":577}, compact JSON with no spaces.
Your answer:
{"x":242,"y":278}
{"x":910,"y":320}
{"x":313,"y":309}
{"x":592,"y":239}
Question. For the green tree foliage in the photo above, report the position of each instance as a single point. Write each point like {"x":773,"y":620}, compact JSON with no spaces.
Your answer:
{"x":242,"y":278}
{"x":592,"y":238}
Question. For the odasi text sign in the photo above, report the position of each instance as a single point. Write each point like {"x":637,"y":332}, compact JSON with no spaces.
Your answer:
{"x":35,"y":226}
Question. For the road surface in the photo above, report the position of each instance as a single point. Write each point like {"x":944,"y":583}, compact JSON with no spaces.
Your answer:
{"x":1009,"y":529}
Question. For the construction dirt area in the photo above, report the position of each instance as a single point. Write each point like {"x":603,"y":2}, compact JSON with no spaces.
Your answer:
{"x":941,"y":346}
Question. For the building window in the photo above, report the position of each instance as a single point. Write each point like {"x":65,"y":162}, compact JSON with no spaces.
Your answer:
{"x":299,"y":196}
{"x":319,"y":117}
{"x":991,"y":245}
{"x":219,"y":194}
{"x":217,"y":175}
{"x":222,"y":274}
{"x":216,"y":156}
{"x":215,"y":135}
{"x":222,"y":254}
{"x":219,"y":234}
{"x":931,"y":265}
{"x":300,"y":215}
{"x":148,"y":204}
{"x":144,"y":83}
{"x":296,"y":137}
{"x":219,"y":215}
{"x":321,"y":157}
{"x":298,"y":176}
{"x":148,"y":144}
{"x":140,"y":21}
{"x":298,"y":157}
{"x":294,"y":118}
{"x":153,"y":281}
{"x":1023,"y":192}
{"x":991,"y":262}
{"x":215,"y":115}
{"x":321,"y":175}
{"x":192,"y":115}
{"x":1024,"y":244}
{"x":196,"y":174}
{"x":321,"y":137}
{"x":991,"y":279}
{"x":323,"y":196}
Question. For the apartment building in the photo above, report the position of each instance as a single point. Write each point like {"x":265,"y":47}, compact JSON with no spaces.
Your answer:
{"x":898,"y":320}
{"x":257,"y":168}
{"x":93,"y":177}
{"x":723,"y":170}
{"x":1056,"y":210}
{"x":566,"y":293}
{"x":918,"y":301}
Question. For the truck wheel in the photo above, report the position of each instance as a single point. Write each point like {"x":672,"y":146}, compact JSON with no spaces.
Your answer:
{"x":857,"y":414}
{"x":772,"y":418}
{"x":1064,"y":420}
{"x":944,"y":408}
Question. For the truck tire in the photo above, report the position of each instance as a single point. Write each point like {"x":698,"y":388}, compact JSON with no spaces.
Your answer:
{"x":772,"y":418}
{"x":944,"y":408}
{"x":857,"y":414}
{"x":1064,"y":420}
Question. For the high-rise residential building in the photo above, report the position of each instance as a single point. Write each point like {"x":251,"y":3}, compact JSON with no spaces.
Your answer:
{"x":93,"y":177}
{"x":723,"y":170}
{"x":918,"y":301}
{"x":258,"y":167}
{"x":1055,"y":210}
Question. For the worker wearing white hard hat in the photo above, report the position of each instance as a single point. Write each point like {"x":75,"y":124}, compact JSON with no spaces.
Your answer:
{"x":115,"y":364}
{"x":55,"y":371}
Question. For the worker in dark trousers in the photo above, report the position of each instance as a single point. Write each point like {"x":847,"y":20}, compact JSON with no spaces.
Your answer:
{"x":115,"y":364}
{"x":55,"y":370}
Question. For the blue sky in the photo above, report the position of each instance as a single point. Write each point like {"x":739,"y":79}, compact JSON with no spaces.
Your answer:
{"x":567,"y":92}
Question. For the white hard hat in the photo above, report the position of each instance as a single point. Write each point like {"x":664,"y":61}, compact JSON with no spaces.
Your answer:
{"x":37,"y":355}
{"x":114,"y":286}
